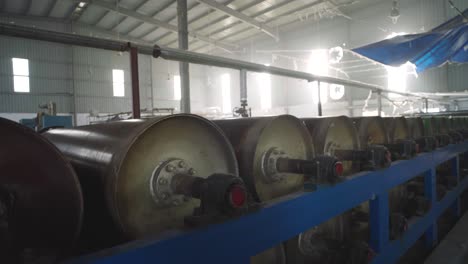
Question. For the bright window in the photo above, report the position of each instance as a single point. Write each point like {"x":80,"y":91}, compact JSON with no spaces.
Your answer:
{"x":118,"y":82}
{"x":264,"y":82}
{"x":318,"y":65}
{"x":226,"y":92}
{"x":177,"y":92}
{"x":20,"y":75}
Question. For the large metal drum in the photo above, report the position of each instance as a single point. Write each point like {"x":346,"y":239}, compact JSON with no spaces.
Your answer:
{"x":397,"y":128}
{"x":125,"y":169}
{"x":334,"y":133}
{"x":40,"y":198}
{"x":429,"y":129}
{"x":258,"y":139}
{"x":416,"y":127}
{"x":371,"y":130}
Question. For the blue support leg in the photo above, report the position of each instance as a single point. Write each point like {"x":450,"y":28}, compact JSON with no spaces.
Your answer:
{"x":379,"y":222}
{"x":430,"y":192}
{"x":455,"y":168}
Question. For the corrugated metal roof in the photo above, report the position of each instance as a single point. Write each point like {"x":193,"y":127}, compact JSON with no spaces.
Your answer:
{"x":203,"y":20}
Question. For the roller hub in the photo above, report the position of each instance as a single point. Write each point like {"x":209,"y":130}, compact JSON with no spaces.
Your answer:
{"x":161,"y":182}
{"x":269,"y":164}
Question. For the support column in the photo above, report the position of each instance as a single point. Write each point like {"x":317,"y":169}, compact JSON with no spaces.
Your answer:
{"x":319,"y":99}
{"x":426,"y":104}
{"x":379,"y":103}
{"x":183,"y":66}
{"x":379,"y":222}
{"x":431,"y":195}
{"x":135,"y":82}
{"x":455,"y":169}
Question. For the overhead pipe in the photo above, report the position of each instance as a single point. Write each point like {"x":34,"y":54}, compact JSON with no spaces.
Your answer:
{"x":178,"y":55}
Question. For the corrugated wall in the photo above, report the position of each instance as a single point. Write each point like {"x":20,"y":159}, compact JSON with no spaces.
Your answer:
{"x":57,"y":72}
{"x":50,"y":75}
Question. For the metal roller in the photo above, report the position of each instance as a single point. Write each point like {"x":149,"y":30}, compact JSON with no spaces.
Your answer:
{"x":335,"y":134}
{"x":373,"y":137}
{"x":417,"y":132}
{"x":141,"y":178}
{"x":402,"y":146}
{"x":276,"y":157}
{"x":260,"y":144}
{"x":372,"y":132}
{"x":41,"y":204}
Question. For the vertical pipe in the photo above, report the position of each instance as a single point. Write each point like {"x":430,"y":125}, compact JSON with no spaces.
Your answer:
{"x":379,"y":103}
{"x":183,"y":66}
{"x":151,"y":85}
{"x":319,"y":99}
{"x":75,"y":114}
{"x":350,"y":104}
{"x":431,"y":195}
{"x":243,"y":86}
{"x":426,"y":104}
{"x":135,"y":82}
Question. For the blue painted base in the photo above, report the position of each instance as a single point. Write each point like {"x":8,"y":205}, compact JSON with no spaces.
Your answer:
{"x":236,"y":240}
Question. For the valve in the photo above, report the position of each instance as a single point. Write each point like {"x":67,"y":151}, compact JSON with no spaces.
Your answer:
{"x":242,"y":111}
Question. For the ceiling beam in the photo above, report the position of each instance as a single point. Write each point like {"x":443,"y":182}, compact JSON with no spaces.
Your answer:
{"x":201,"y":16}
{"x":279,"y":16}
{"x":166,"y":5}
{"x":242,"y":17}
{"x":259,"y":13}
{"x":267,"y":21}
{"x":159,"y":23}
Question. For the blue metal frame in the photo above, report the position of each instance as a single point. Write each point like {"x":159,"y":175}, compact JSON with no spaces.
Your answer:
{"x":236,"y":240}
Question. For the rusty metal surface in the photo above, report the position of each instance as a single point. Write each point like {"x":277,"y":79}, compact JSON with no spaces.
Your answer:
{"x":253,"y":137}
{"x":330,"y":133}
{"x":371,"y":130}
{"x":46,"y":214}
{"x":115,"y":162}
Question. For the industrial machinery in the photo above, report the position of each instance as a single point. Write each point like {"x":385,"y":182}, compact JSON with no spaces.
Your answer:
{"x":284,"y":215}
{"x":141,"y":178}
{"x":402,"y":145}
{"x":41,"y":204}
{"x":336,"y":136}
{"x":47,"y":119}
{"x":417,"y":132}
{"x":276,"y":158}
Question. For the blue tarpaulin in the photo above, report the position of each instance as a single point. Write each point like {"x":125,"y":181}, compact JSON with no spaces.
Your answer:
{"x":445,"y":43}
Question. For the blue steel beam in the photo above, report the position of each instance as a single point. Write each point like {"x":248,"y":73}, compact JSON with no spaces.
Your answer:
{"x":234,"y":241}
